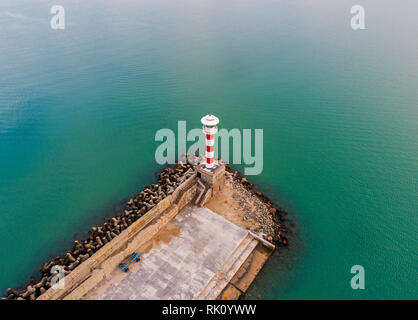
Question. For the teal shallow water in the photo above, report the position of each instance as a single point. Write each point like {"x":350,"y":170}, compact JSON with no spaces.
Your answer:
{"x":79,"y":110}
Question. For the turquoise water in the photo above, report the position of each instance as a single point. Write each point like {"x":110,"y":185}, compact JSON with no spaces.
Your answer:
{"x":79,"y":109}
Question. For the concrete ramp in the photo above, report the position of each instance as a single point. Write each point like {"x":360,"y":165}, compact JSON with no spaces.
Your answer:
{"x":196,"y":263}
{"x":225,"y":274}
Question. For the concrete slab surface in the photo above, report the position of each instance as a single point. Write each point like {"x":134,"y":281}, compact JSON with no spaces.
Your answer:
{"x":180,"y":268}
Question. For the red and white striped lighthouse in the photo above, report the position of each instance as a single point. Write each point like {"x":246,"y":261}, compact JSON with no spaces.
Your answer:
{"x":209,"y":129}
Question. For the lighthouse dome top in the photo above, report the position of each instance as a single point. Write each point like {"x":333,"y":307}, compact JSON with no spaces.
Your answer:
{"x":209,"y":120}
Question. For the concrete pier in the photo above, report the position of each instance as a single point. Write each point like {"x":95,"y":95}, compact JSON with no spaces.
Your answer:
{"x":190,"y":251}
{"x":183,"y":267}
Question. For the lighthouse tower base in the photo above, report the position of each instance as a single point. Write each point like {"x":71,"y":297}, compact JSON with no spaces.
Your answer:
{"x":213,"y":177}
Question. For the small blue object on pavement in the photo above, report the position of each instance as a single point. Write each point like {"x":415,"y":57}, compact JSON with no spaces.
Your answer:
{"x":133,"y":257}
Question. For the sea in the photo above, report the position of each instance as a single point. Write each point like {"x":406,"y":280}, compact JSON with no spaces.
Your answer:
{"x":80,"y":108}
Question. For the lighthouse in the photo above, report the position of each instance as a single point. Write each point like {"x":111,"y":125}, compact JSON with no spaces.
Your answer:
{"x":210,"y":128}
{"x":211,"y":173}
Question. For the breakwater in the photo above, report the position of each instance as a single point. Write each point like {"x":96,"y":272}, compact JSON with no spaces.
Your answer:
{"x":276,"y":229}
{"x":168,"y":180}
{"x":157,"y":198}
